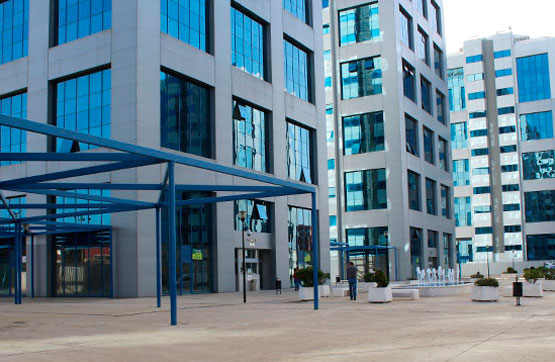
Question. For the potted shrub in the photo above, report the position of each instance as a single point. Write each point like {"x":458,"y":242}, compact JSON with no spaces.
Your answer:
{"x":368,"y":281}
{"x":477,"y":276}
{"x":510,"y":270}
{"x":382,"y":292}
{"x":485,"y":290}
{"x":549,"y":282}
{"x":306,"y":290}
{"x":534,"y":286}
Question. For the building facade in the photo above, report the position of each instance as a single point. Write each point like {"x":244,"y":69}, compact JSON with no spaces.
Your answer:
{"x":390,"y":184}
{"x":238,"y":82}
{"x":501,"y":103}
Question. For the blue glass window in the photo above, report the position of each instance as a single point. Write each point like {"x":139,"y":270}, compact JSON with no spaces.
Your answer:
{"x":297,"y":71}
{"x":431,"y":197}
{"x":435,"y":17}
{"x":409,"y":81}
{"x":100,"y":219}
{"x":327,"y":82}
{"x":511,"y":207}
{"x":185,"y":115}
{"x":360,"y":78}
{"x":459,"y":135}
{"x":325,"y":4}
{"x":484,"y":249}
{"x":476,"y":95}
{"x":455,"y":82}
{"x":300,"y":239}
{"x":479,"y":152}
{"x":429,"y":146}
{"x":333,"y":220}
{"x":263,"y":224}
{"x":83,"y":105}
{"x":505,"y":110}
{"x":14,"y":30}
{"x":535,"y":126}
{"x":80,"y":18}
{"x":423,"y":46}
{"x":299,"y":153}
{"x":505,"y":91}
{"x":507,"y":149}
{"x":12,"y":139}
{"x":507,"y":129}
{"x":443,"y":154}
{"x":13,"y":202}
{"x":247,"y":44}
{"x":461,"y":173}
{"x":474,"y":59}
{"x":423,"y":7}
{"x":365,"y":190}
{"x":325,"y":29}
{"x":331,"y":192}
{"x":298,"y":8}
{"x":359,"y":24}
{"x":413,"y":183}
{"x":441,"y":111}
{"x":503,"y":72}
{"x":363,"y":133}
{"x":509,"y":168}
{"x":540,"y":206}
{"x":538,"y":165}
{"x":445,"y":202}
{"x":512,"y":228}
{"x":480,"y":171}
{"x":511,"y":187}
{"x":502,"y":53}
{"x":186,"y":21}
{"x":331,"y":164}
{"x":481,"y":190}
{"x":433,"y":239}
{"x":406,"y":28}
{"x":367,"y":236}
{"x":415,"y":247}
{"x":426,"y":94}
{"x":482,"y":209}
{"x":474,"y":77}
{"x":479,"y":132}
{"x":411,"y":135}
{"x":483,"y":230}
{"x":533,"y":78}
{"x":479,"y":114}
{"x":463,"y":211}
{"x":250,"y":140}
{"x":438,"y":61}
{"x":540,"y":247}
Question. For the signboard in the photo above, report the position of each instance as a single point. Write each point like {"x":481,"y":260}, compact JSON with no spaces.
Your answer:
{"x":307,"y":258}
{"x":197,"y":254}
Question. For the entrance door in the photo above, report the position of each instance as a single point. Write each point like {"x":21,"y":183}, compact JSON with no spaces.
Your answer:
{"x":7,"y":270}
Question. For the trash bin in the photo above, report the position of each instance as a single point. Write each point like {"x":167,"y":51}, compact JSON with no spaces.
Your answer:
{"x":337,"y":279}
{"x":278,"y":286}
{"x":517,"y":289}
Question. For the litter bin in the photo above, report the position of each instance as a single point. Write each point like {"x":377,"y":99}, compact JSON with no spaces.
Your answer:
{"x":278,"y":286}
{"x":337,"y":279}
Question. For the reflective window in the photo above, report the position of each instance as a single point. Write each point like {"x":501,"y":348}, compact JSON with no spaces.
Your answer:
{"x":331,"y":164}
{"x":502,"y":53}
{"x":409,"y":81}
{"x":411,"y":135}
{"x":445,"y":202}
{"x":423,"y":46}
{"x":538,"y":165}
{"x":325,"y":29}
{"x":479,"y":133}
{"x":14,"y":30}
{"x":511,"y":207}
{"x":474,"y":77}
{"x":463,"y":211}
{"x":438,"y":61}
{"x":99,"y":219}
{"x":482,"y":231}
{"x":359,"y":24}
{"x":474,"y":59}
{"x":441,"y":111}
{"x":535,"y":126}
{"x":299,"y":238}
{"x":509,"y":188}
{"x":431,"y":197}
{"x":365,"y":190}
{"x":413,"y":181}
{"x":540,"y":206}
{"x":83,"y":105}
{"x":507,"y":129}
{"x":505,"y":110}
{"x":426,"y":94}
{"x":482,"y":209}
{"x":459,"y":135}
{"x":406,"y":28}
{"x":247,"y":44}
{"x":505,"y":91}
{"x":415,"y":248}
{"x":258,"y":215}
{"x":299,"y":153}
{"x":13,"y":202}
{"x":325,"y":4}
{"x":509,"y":168}
{"x":481,"y":190}
{"x":367,"y":236}
{"x":250,"y":137}
{"x":480,"y":171}
{"x":296,"y":71}
{"x":507,"y":149}
{"x":80,"y":18}
{"x":186,"y":21}
{"x":185,"y":115}
{"x":503,"y":72}
{"x":423,"y":7}
{"x":443,"y":154}
{"x":12,"y":139}
{"x":480,"y":152}
{"x":455,"y":82}
{"x":363,"y":133}
{"x":360,"y":78}
{"x":476,"y":95}
{"x":447,"y":246}
{"x":429,"y":146}
{"x":435,"y":17}
{"x":432,"y":239}
{"x":533,"y":78}
{"x":540,"y":247}
{"x":299,"y":8}
{"x":512,"y":228}
{"x":479,"y":114}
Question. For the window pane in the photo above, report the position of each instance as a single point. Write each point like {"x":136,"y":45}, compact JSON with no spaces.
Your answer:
{"x":185,"y":20}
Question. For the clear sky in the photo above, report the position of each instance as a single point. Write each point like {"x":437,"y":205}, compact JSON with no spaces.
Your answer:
{"x":471,"y":19}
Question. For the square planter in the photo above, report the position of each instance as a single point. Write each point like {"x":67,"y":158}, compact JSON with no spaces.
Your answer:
{"x":549,"y":285}
{"x":380,"y":295}
{"x":532,"y":290}
{"x":324,"y":290}
{"x":307,"y":293}
{"x":484,"y":294}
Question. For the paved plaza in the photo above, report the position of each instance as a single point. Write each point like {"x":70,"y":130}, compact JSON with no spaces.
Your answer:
{"x":270,"y":327}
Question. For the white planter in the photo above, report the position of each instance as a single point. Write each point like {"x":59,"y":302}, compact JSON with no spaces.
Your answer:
{"x":532,"y":290}
{"x":484,"y":294}
{"x":380,"y":295}
{"x":324,"y":290}
{"x":549,"y":285}
{"x":307,"y":293}
{"x":365,"y":285}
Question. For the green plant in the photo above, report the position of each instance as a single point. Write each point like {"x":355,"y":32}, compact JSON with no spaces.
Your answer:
{"x":532,"y":275}
{"x":381,"y":279}
{"x":487,"y":282}
{"x":369,"y":277}
{"x":510,"y":270}
{"x":306,"y":277}
{"x":549,"y":274}
{"x":477,"y":276}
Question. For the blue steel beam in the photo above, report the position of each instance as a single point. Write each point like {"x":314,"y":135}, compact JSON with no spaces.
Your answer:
{"x":158,"y":253}
{"x":7,"y":206}
{"x":216,"y":199}
{"x":55,"y":206}
{"x":72,"y":157}
{"x":64,"y":224}
{"x":315,"y":249}
{"x":172,"y":254}
{"x":50,"y":130}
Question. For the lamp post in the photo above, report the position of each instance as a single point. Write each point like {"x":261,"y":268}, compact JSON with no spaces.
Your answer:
{"x":243,"y":217}
{"x":514,"y":256}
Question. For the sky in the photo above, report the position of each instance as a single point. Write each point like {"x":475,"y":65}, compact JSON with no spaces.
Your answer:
{"x":471,"y":19}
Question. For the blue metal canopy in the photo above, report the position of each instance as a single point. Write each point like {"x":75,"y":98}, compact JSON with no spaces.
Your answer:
{"x":122,"y":156}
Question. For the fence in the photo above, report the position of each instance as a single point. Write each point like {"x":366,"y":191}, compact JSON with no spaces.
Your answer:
{"x":497,"y":268}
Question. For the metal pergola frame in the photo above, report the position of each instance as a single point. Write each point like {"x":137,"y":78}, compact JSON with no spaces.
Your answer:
{"x":122,"y":156}
{"x":345,"y":249}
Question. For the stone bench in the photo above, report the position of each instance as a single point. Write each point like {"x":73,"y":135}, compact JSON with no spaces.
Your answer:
{"x":408,"y":293}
